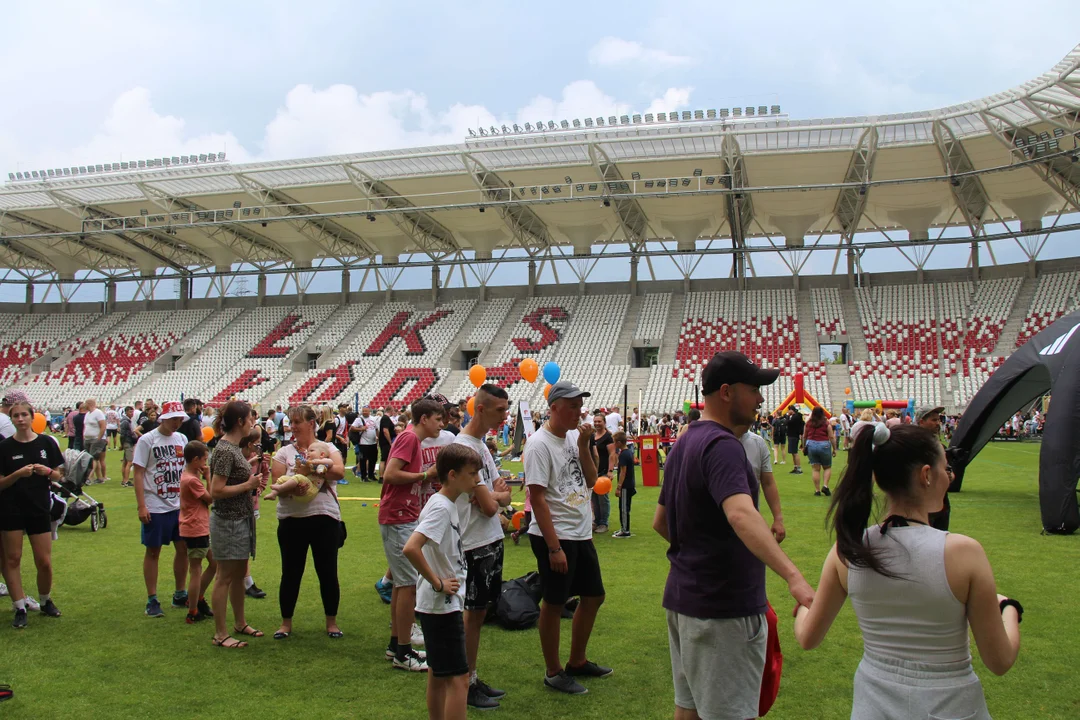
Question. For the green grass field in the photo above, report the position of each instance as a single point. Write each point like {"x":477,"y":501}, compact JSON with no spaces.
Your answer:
{"x":105,"y":659}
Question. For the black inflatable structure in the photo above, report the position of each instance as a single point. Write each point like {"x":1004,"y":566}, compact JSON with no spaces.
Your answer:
{"x":1049,"y":362}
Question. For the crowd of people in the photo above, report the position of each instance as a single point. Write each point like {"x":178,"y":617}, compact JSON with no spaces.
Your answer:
{"x":199,"y":477}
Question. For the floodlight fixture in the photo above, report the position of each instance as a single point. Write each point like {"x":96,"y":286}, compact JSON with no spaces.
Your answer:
{"x":471,"y":133}
{"x":736,"y":112}
{"x":723,"y":112}
{"x":624,"y":119}
{"x":710,"y":180}
{"x":370,"y":217}
{"x":577,"y":123}
{"x":955,"y":181}
{"x":635,"y":175}
{"x":711,"y":114}
{"x":637,"y":119}
{"x":607,"y":203}
{"x":685,"y":182}
{"x":557,"y":188}
{"x":580,"y":187}
{"x":551,"y":124}
{"x":592,"y":187}
{"x":649,"y":117}
{"x":775,"y":109}
{"x":481,"y":208}
{"x":699,"y":114}
{"x":568,"y":180}
{"x":544,"y":189}
{"x":599,"y":122}
{"x":11,"y":176}
{"x":588,"y":122}
{"x":661,"y":117}
{"x":648,"y":183}
{"x":762,"y":110}
{"x":862,"y":190}
{"x":611,"y":120}
{"x":686,"y":115}
{"x":564,"y":124}
{"x":144,"y":212}
{"x":237,"y":204}
{"x":517,"y":128}
{"x":661,"y":183}
{"x":697,"y":172}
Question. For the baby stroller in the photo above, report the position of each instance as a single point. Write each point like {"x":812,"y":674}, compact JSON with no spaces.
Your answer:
{"x":77,"y":466}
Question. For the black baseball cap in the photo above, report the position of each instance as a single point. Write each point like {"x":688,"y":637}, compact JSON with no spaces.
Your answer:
{"x":730,"y":367}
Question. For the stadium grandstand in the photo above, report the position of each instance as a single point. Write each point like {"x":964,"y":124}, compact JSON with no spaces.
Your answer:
{"x":710,"y":192}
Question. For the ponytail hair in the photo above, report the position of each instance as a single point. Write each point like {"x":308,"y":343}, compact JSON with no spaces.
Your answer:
{"x":891,"y":457}
{"x":230,"y":416}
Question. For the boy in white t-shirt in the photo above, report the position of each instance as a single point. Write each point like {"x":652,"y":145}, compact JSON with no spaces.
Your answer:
{"x":435,"y":550}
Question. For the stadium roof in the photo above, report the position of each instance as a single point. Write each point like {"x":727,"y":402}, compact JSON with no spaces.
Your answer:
{"x":703,"y":185}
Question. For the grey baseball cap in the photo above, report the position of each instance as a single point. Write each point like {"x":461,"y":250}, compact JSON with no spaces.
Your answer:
{"x":924,"y":410}
{"x":565,"y":389}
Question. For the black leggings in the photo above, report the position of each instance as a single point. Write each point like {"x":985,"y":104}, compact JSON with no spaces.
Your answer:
{"x":320,"y":532}
{"x":624,"y":510}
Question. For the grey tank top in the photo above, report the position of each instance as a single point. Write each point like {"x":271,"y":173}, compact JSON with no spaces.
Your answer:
{"x":914,"y":617}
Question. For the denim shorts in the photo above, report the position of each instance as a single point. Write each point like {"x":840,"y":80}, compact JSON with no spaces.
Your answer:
{"x":819,"y":452}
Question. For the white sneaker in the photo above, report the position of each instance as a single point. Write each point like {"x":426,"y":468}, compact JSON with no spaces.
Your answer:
{"x":32,"y":604}
{"x":417,"y":637}
{"x":412,"y":662}
{"x":3,"y":590}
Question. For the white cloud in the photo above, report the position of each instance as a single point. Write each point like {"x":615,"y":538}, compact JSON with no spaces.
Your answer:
{"x":313,"y":122}
{"x":134,"y":130}
{"x":613,"y":51}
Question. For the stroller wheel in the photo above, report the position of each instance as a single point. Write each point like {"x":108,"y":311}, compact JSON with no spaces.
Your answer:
{"x":104,"y":522}
{"x":93,"y":522}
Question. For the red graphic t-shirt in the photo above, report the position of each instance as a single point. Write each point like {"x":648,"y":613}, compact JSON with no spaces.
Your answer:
{"x":402,"y":503}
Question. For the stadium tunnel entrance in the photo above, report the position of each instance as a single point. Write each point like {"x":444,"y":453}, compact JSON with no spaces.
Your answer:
{"x":1050,"y":361}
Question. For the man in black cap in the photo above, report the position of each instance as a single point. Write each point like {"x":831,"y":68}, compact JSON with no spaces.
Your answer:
{"x":560,"y":473}
{"x":719,"y":547}
{"x":929,"y":417}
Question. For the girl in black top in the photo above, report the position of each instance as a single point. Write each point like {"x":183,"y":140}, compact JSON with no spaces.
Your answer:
{"x":28,"y":464}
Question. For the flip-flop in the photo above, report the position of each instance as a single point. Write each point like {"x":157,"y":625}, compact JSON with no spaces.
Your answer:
{"x":279,"y":635}
{"x":335,"y":634}
{"x":248,"y":631}
{"x":223,"y":643}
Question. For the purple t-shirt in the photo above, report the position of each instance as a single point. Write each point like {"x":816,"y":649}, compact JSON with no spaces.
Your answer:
{"x":713,"y":574}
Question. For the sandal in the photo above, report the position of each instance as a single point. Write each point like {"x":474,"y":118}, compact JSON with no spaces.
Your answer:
{"x":248,"y":631}
{"x":334,"y":634}
{"x":281,"y":635}
{"x":224,"y":643}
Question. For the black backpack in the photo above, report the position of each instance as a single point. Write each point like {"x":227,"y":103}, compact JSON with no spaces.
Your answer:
{"x":518,"y":607}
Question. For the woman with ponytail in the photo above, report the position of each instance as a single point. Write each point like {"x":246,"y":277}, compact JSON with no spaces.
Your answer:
{"x":914,"y":589}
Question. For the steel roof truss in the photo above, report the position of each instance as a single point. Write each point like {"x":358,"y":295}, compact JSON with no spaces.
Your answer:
{"x":426,"y":232}
{"x":967,"y":189}
{"x":524,"y":225}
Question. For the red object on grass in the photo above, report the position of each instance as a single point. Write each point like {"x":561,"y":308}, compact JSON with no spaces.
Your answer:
{"x":774,"y":664}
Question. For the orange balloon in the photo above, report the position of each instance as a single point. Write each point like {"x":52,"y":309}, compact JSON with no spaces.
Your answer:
{"x":39,"y":423}
{"x":547,"y":389}
{"x":519,"y":516}
{"x":529,"y":370}
{"x":471,"y":405}
{"x":602,"y":486}
{"x":847,"y":391}
{"x":477,"y":375}
{"x":207,"y":434}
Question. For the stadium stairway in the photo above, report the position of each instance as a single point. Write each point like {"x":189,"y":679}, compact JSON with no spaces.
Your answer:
{"x":621,"y":354}
{"x":637,"y":380}
{"x":490,"y":354}
{"x":450,"y":384}
{"x":809,"y":349}
{"x":838,"y":378}
{"x":857,"y":349}
{"x":670,"y":342}
{"x":447,"y":358}
{"x":1006,"y":343}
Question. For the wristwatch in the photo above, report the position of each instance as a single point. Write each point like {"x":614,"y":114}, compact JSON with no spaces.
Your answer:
{"x":555,"y":551}
{"x":1016,"y":604}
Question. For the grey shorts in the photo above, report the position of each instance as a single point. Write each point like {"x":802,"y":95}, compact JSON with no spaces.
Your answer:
{"x":232,"y":539}
{"x":129,"y":453}
{"x":717,"y":664}
{"x":394,"y":538}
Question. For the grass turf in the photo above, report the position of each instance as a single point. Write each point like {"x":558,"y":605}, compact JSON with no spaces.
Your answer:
{"x":105,"y":659}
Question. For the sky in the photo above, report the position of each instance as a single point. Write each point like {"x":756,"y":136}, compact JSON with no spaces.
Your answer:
{"x":108,"y":80}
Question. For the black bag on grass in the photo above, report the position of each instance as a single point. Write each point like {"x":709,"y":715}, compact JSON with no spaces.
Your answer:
{"x":518,"y":607}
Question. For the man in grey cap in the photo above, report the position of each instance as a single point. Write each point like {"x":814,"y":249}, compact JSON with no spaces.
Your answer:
{"x":929,"y":417}
{"x":560,"y":474}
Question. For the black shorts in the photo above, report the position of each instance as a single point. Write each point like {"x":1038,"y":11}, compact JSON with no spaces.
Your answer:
{"x":793,"y":445}
{"x":31,"y":523}
{"x":444,"y":642}
{"x":111,"y":432}
{"x":582,"y":576}
{"x":483,"y":584}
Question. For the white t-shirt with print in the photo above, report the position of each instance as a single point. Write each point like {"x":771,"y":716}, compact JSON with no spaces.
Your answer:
{"x":429,"y":448}
{"x":552,"y":463}
{"x":478,"y":529}
{"x":162,"y":457}
{"x":112,"y":420}
{"x":7,"y":428}
{"x":368,"y":428}
{"x":757,"y":452}
{"x":91,"y":429}
{"x":440,"y":524}
{"x":613,"y":420}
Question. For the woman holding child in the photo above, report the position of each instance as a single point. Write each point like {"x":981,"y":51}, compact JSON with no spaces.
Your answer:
{"x":232,"y":519}
{"x":308,"y":516}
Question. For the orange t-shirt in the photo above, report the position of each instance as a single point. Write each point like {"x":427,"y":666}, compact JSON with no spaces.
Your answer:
{"x":194,"y":507}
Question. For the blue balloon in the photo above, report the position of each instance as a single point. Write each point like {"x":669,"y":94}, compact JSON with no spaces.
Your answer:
{"x":551,"y":372}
